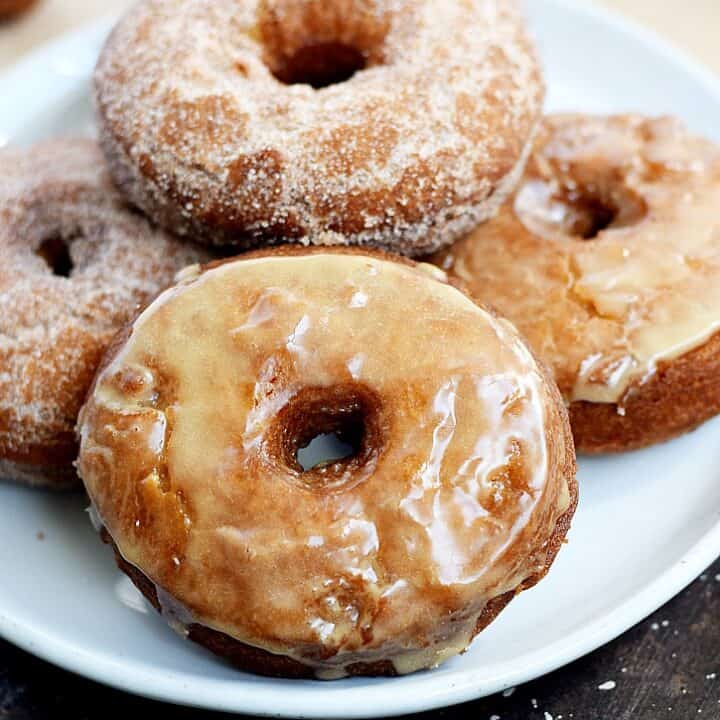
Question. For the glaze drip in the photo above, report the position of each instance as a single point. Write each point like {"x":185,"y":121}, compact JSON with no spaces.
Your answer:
{"x":391,"y":554}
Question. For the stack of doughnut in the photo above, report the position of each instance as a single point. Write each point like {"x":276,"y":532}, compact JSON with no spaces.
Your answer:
{"x":345,"y":219}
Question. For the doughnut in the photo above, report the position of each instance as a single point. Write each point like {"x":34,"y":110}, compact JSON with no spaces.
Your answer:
{"x":75,"y":263}
{"x":456,"y":492}
{"x":11,"y":8}
{"x":608,"y":261}
{"x":399,"y":124}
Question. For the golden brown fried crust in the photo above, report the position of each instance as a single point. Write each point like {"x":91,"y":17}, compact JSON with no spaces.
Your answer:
{"x":298,"y":250}
{"x":679,"y":397}
{"x":59,"y":476}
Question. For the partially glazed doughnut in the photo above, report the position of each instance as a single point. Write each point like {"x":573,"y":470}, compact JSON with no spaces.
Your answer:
{"x":394,"y":123}
{"x":457,"y":495}
{"x":608,"y":261}
{"x":75,"y":262}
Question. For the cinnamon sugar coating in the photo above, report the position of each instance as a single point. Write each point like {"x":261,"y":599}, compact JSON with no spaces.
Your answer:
{"x":608,"y":261}
{"x":211,"y":122}
{"x":458,"y":493}
{"x":75,"y":264}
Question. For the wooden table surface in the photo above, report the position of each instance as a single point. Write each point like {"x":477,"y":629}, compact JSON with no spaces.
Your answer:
{"x":666,"y":667}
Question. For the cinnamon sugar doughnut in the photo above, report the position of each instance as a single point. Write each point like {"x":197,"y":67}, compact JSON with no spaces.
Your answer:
{"x":396,"y":123}
{"x":74,"y":265}
{"x":457,"y":494}
{"x":608,"y":260}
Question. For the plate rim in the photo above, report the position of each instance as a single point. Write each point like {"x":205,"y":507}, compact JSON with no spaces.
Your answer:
{"x":178,"y":687}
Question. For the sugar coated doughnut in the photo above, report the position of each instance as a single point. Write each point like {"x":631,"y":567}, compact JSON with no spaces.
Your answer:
{"x":456,"y":493}
{"x":608,"y":260}
{"x":75,"y":263}
{"x":395,"y":123}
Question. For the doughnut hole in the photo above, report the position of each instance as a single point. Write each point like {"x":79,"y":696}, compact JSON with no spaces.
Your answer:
{"x":55,"y":251}
{"x":581,"y":212}
{"x":321,"y":65}
{"x":321,"y":44}
{"x":345,"y":417}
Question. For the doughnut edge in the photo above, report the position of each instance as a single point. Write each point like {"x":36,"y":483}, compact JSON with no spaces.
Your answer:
{"x":262,"y":662}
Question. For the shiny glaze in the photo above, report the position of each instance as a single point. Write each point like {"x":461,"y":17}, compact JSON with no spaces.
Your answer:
{"x":605,"y":312}
{"x":394,"y":557}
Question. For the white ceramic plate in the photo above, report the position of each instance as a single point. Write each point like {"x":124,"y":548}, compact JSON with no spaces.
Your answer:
{"x":648,"y":522}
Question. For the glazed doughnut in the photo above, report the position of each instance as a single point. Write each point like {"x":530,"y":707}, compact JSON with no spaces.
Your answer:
{"x":608,"y":261}
{"x":10,"y":8}
{"x":395,"y":123}
{"x":456,"y":495}
{"x":75,"y":263}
